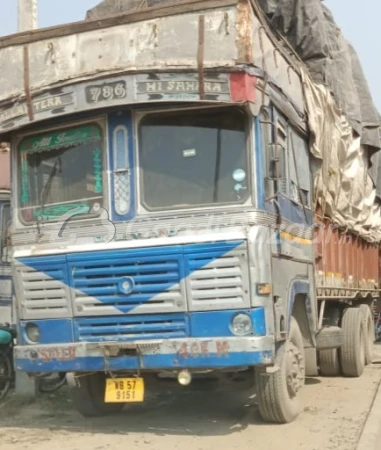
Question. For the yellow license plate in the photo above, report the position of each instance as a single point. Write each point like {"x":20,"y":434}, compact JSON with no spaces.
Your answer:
{"x":124,"y":390}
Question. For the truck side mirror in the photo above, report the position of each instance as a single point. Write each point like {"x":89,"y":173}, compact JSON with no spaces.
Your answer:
{"x":274,"y":152}
{"x":269,"y":188}
{"x":6,"y":244}
{"x":277,"y":160}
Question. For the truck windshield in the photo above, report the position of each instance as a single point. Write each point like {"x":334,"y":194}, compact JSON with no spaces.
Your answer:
{"x":193,"y":158}
{"x":60,"y":172}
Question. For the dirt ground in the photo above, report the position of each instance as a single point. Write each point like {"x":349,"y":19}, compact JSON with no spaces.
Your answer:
{"x":333,"y":417}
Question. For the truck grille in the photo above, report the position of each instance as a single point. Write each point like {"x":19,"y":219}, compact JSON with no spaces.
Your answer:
{"x":158,"y":285}
{"x":43,"y":290}
{"x":163,"y":280}
{"x":218,"y":282}
{"x":122,"y":328}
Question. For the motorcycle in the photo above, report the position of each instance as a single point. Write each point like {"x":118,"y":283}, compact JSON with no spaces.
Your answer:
{"x":7,"y":374}
{"x":48,"y":382}
{"x":51,"y":382}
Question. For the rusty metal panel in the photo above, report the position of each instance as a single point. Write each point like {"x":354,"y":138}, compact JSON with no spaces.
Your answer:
{"x":376,"y":269}
{"x":335,"y":248}
{"x":319,"y":256}
{"x":245,"y":35}
{"x":12,"y":72}
{"x":344,"y":260}
{"x":5,"y":180}
{"x":327,"y":255}
{"x":358,"y":261}
{"x":161,"y":43}
{"x":268,"y":57}
{"x":352,"y":259}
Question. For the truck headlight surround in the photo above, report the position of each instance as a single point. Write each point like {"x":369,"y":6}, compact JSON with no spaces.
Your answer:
{"x":241,"y":325}
{"x":32,"y":332}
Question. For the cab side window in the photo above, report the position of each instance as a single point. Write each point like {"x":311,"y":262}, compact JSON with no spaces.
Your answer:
{"x":300,"y":180}
{"x":280,"y":156}
{"x":285,"y":158}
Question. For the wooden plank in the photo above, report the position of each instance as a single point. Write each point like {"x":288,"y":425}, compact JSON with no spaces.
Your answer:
{"x":175,"y":8}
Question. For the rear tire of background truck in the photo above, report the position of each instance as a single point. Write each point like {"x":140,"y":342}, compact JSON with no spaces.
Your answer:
{"x":368,"y":323}
{"x":352,"y":353}
{"x":329,"y":363}
{"x":88,"y":396}
{"x":278,"y":393}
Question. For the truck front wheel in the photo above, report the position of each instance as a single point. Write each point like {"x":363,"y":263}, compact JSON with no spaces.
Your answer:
{"x":87,"y":394}
{"x":278,"y":392}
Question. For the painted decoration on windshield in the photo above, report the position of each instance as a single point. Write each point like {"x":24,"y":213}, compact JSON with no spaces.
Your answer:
{"x":61,"y":139}
{"x":61,"y":172}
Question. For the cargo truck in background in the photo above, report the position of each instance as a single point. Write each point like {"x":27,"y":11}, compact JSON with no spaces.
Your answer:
{"x":174,"y":178}
{"x":5,"y":257}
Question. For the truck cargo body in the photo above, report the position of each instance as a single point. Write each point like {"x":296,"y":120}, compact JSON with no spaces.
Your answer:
{"x":344,"y":263}
{"x":164,"y":210}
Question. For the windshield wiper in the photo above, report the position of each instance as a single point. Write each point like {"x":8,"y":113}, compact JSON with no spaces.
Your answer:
{"x":44,"y":195}
{"x":217,"y":167}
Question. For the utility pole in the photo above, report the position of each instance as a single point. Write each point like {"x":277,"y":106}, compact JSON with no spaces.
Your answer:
{"x":27,"y":15}
{"x":27,"y":20}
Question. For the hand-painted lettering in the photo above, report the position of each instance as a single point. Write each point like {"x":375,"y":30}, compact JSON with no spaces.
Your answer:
{"x":195,"y":349}
{"x":222,"y":348}
{"x":57,"y":354}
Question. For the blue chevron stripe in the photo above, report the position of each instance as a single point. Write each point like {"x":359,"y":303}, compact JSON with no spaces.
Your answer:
{"x":152,"y":270}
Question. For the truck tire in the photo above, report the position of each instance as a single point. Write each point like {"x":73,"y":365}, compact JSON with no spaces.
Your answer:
{"x":368,"y":323}
{"x":88,"y":396}
{"x":329,"y":363}
{"x":329,"y":338}
{"x":278,"y":393}
{"x":352,"y":353}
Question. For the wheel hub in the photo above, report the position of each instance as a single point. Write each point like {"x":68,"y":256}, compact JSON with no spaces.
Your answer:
{"x":295,"y":369}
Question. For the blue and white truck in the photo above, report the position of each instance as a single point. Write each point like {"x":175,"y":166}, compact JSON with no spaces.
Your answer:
{"x":163,"y":165}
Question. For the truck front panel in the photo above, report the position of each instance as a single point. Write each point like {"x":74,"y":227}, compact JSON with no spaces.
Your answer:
{"x":167,"y":307}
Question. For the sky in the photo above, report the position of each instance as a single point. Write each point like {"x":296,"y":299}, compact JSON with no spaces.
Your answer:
{"x":360,"y":24}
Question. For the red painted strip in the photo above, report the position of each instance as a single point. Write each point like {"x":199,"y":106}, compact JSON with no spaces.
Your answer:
{"x":243,"y":87}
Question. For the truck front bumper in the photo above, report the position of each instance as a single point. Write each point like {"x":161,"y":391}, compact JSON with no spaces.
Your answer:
{"x":176,"y":354}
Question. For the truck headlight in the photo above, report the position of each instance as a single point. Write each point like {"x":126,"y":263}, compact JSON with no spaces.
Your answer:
{"x":32,"y":332}
{"x":241,"y":325}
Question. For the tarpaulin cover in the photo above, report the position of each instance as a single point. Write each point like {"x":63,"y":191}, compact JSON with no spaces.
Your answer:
{"x":343,"y":187}
{"x":346,"y":128}
{"x":310,"y":28}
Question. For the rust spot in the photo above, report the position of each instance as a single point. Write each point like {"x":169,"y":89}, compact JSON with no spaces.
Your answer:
{"x":244,"y":26}
{"x":183,"y":351}
{"x":222,"y":348}
{"x":200,"y":56}
{"x":195,"y":349}
{"x":204,"y":349}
